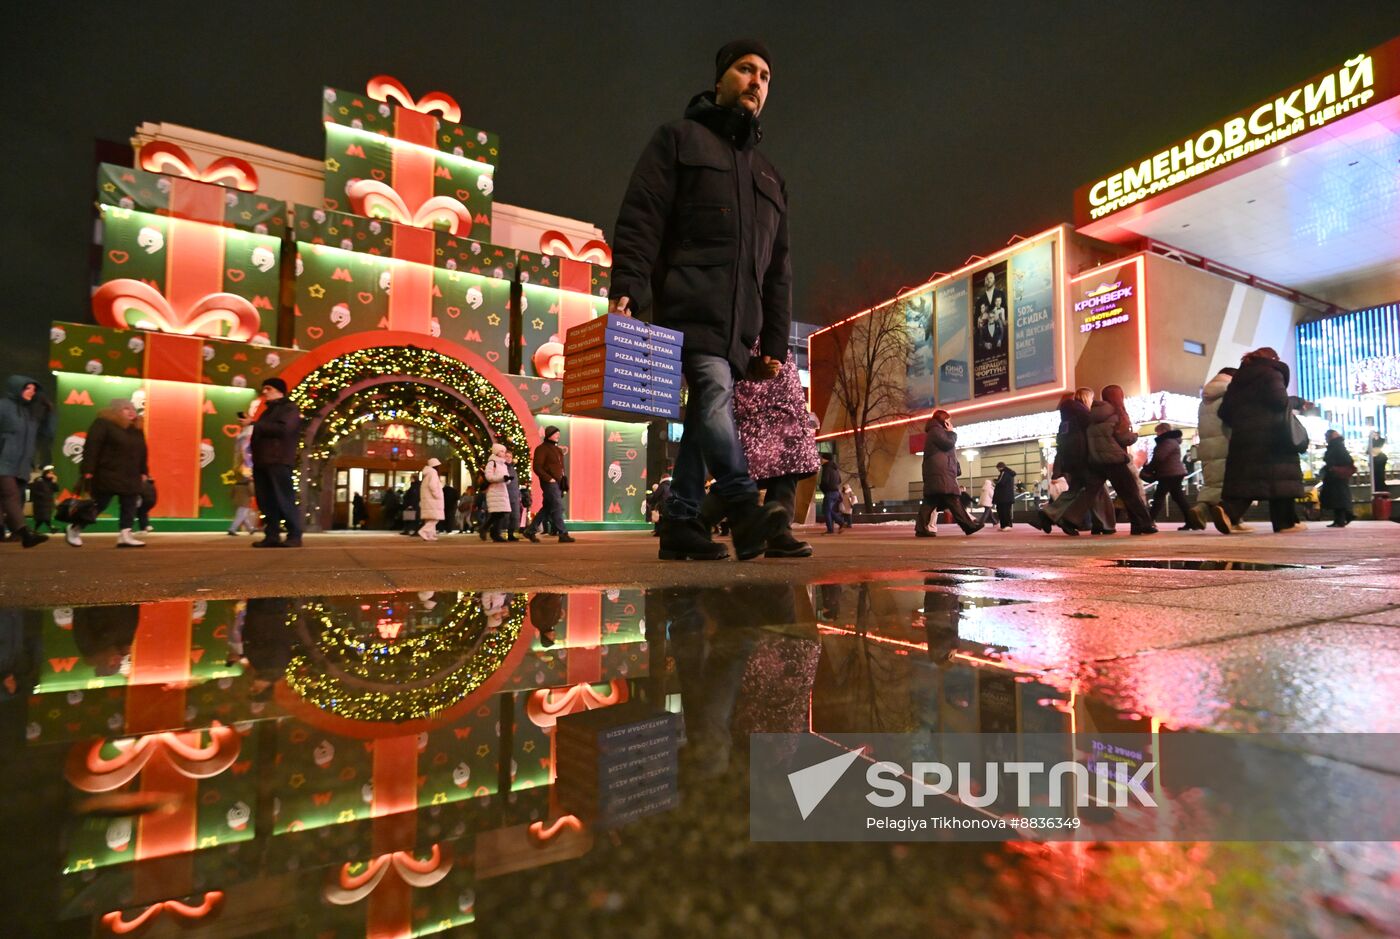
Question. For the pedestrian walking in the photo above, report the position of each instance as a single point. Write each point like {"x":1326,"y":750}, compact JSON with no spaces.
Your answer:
{"x":43,"y":493}
{"x":114,"y":466}
{"x":149,"y":497}
{"x":701,"y":246}
{"x":1376,"y":447}
{"x":984,"y":501}
{"x":1263,"y":455}
{"x":466,"y":510}
{"x":1108,"y":436}
{"x":848,"y":505}
{"x":20,"y":420}
{"x":1338,"y":468}
{"x":273,"y":447}
{"x":430,"y":501}
{"x":412,"y":497}
{"x":1212,"y":448}
{"x":1072,"y":466}
{"x":497,"y":494}
{"x":780,"y":446}
{"x":656,"y":499}
{"x":942,"y":490}
{"x":548,"y":466}
{"x":513,"y":492}
{"x":830,"y":484}
{"x":241,"y":494}
{"x":1169,"y":472}
{"x":392,"y":504}
{"x":1004,"y":495}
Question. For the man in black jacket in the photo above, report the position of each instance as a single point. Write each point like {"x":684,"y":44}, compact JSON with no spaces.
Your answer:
{"x":276,"y":434}
{"x":701,"y":245}
{"x":1004,"y":495}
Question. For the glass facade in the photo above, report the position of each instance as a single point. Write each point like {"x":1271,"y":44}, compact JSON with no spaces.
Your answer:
{"x":1347,"y":363}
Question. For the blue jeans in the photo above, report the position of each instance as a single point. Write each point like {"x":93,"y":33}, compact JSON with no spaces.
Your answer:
{"x":710,"y":442}
{"x":552,"y":510}
{"x":277,"y":499}
{"x":830,"y":500}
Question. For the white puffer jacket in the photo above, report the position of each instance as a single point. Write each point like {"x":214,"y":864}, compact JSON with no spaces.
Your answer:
{"x":1214,"y":445}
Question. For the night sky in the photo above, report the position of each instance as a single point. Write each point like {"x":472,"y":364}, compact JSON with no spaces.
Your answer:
{"x":911,"y":137}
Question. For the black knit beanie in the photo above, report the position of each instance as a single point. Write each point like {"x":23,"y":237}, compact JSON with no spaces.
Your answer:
{"x":736,"y":50}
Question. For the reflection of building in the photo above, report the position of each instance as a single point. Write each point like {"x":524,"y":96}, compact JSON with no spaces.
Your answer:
{"x":383,"y":283}
{"x":407,"y":754}
{"x":1226,"y":241}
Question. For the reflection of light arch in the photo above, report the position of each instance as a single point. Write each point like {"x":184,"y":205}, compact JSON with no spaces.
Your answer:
{"x":360,"y":685}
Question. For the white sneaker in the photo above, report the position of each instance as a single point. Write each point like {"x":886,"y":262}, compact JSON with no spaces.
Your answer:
{"x":127,"y":540}
{"x":74,"y":536}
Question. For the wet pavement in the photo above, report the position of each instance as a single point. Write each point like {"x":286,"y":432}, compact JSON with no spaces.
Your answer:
{"x":389,"y":763}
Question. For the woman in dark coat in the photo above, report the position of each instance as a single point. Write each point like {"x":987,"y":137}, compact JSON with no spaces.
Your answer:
{"x":1108,"y":437}
{"x":20,"y":425}
{"x":941,"y":487}
{"x":1263,"y":459}
{"x":1071,"y":464}
{"x":1338,"y":468}
{"x":1169,"y":472}
{"x":43,"y":492}
{"x":114,"y":465}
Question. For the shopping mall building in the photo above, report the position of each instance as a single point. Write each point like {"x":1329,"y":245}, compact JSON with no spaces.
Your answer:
{"x":1277,"y":225}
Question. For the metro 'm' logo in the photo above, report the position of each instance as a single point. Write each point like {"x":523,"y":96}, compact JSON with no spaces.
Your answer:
{"x":79,"y":397}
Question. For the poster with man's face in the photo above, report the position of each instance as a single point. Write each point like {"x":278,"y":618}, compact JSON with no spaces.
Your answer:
{"x":991,"y":326}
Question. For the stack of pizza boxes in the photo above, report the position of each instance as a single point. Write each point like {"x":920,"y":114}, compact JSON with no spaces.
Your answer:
{"x":622,"y":369}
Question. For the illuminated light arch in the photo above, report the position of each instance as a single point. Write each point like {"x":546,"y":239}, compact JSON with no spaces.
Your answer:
{"x":359,"y":685}
{"x":317,"y":382}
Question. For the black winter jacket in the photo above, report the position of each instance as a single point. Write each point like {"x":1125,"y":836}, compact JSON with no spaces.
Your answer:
{"x":701,"y":241}
{"x":940,"y":459}
{"x":1166,"y":457}
{"x":1262,"y":462}
{"x":1005,"y":486}
{"x":276,"y":433}
{"x":1071,"y":446}
{"x":115,"y":458}
{"x":1336,"y":486}
{"x":831,"y":477}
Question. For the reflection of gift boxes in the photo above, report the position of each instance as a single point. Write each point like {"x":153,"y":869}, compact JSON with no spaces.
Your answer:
{"x":408,"y":164}
{"x":185,"y":256}
{"x":613,"y":396}
{"x":356,"y":274}
{"x":618,"y":764}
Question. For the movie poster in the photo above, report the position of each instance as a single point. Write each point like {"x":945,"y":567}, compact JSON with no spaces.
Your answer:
{"x":991,"y":319}
{"x":919,"y":374}
{"x":1033,"y":318}
{"x":950,"y":317}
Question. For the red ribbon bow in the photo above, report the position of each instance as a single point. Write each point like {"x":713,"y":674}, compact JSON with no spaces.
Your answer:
{"x":113,"y":301}
{"x":160,"y":156}
{"x":386,"y":87}
{"x":375,"y":199}
{"x":592,"y":252}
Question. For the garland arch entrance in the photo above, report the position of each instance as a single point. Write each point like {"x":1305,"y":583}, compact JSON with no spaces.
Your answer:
{"x":434,"y":384}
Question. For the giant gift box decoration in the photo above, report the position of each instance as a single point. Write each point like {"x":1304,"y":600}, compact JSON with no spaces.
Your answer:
{"x":561,"y":286}
{"x":192,"y":292}
{"x":611,"y":364}
{"x":356,"y":273}
{"x":181,"y":255}
{"x":189,"y":389}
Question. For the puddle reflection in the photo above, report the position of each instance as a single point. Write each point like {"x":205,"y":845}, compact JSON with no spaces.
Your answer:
{"x":372,"y":765}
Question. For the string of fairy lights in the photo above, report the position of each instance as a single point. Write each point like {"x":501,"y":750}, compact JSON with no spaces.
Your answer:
{"x":358,"y":674}
{"x":417,"y":402}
